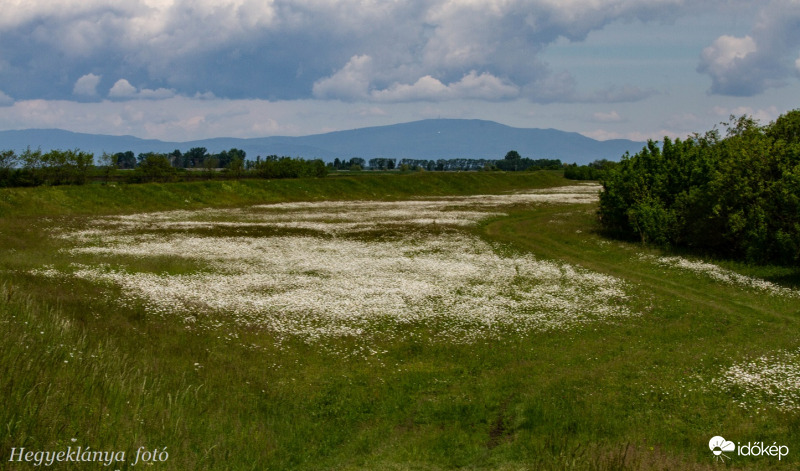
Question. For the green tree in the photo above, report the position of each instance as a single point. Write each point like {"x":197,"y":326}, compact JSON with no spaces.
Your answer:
{"x":176,"y":158}
{"x":738,"y":196}
{"x":8,"y":164}
{"x":209,"y":164}
{"x":195,"y":157}
{"x":108,"y":162}
{"x":154,"y":167}
{"x":125,"y":160}
{"x":8,"y":159}
{"x":236,"y":168}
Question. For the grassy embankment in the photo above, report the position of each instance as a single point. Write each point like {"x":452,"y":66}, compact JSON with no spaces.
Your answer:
{"x":635,"y":394}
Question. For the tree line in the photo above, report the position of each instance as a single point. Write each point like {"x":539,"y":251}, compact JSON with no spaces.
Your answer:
{"x":593,"y":171}
{"x":512,"y":161}
{"x":736,"y":195}
{"x":74,"y":167}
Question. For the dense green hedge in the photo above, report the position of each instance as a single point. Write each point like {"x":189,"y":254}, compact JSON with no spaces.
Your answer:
{"x":594,"y":171}
{"x":737,"y":196}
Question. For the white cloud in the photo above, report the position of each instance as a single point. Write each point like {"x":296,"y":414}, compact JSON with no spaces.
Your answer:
{"x":86,"y":85}
{"x":726,"y":51}
{"x":426,"y":88}
{"x":351,"y":82}
{"x":749,"y":65}
{"x":356,"y":82}
{"x":123,"y":89}
{"x":725,"y":60}
{"x":376,"y":62}
{"x":471,"y":86}
{"x":485,"y":86}
{"x":287,"y":48}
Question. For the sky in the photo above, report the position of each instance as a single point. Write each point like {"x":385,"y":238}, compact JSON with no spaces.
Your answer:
{"x":181,"y":70}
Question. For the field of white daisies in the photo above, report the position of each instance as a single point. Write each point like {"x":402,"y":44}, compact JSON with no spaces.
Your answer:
{"x":493,"y":330}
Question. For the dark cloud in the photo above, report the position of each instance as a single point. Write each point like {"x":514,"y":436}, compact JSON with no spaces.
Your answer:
{"x":417,"y":50}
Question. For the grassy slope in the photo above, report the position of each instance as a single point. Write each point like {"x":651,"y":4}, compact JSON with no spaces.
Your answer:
{"x":652,"y":377}
{"x":105,"y":199}
{"x":603,"y":397}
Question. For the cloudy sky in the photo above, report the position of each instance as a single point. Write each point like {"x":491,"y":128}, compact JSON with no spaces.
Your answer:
{"x":189,"y":69}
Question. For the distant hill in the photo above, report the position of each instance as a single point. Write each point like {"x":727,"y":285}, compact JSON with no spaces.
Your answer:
{"x":427,"y":139}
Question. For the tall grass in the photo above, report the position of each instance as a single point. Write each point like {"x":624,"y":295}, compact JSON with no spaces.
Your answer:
{"x":636,"y":393}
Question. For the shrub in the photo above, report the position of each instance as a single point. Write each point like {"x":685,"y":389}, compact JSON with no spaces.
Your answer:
{"x":737,"y":196}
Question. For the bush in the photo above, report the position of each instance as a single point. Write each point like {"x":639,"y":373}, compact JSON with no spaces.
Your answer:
{"x":287,"y":167}
{"x":736,"y":196}
{"x":154,"y":168}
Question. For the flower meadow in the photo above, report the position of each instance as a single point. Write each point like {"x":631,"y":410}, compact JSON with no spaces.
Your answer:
{"x":773,"y":379}
{"x":500,"y":331}
{"x":331,"y":269}
{"x":720,"y":274}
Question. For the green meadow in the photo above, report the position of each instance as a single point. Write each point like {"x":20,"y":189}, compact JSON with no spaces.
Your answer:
{"x":530,"y":377}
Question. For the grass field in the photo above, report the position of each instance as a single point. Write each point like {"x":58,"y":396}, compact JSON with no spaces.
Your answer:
{"x":381,"y":322}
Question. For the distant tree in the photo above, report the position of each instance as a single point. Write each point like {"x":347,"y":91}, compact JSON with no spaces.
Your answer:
{"x":236,"y":168}
{"x":512,"y":155}
{"x":108,"y":163}
{"x":31,"y":163}
{"x":234,"y":154}
{"x":154,"y":167}
{"x":8,"y":159}
{"x":59,"y":167}
{"x":31,"y":159}
{"x":381,"y":163}
{"x":225,"y":157}
{"x":209,"y":164}
{"x":194,"y":157}
{"x":286,"y":167}
{"x":596,"y":170}
{"x":176,"y":158}
{"x":125,"y":160}
{"x":8,"y":163}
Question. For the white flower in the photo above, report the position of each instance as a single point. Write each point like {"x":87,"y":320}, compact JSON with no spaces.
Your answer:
{"x":317,"y":286}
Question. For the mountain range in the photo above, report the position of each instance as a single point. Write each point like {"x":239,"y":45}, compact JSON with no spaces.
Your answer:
{"x":426,"y":139}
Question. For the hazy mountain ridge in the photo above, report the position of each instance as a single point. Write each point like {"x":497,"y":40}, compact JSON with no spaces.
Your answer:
{"x":426,"y":139}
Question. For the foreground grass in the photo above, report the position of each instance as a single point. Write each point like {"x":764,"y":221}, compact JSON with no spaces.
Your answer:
{"x":628,"y":395}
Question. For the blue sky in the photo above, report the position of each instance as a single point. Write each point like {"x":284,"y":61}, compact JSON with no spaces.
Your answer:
{"x":182,"y":70}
